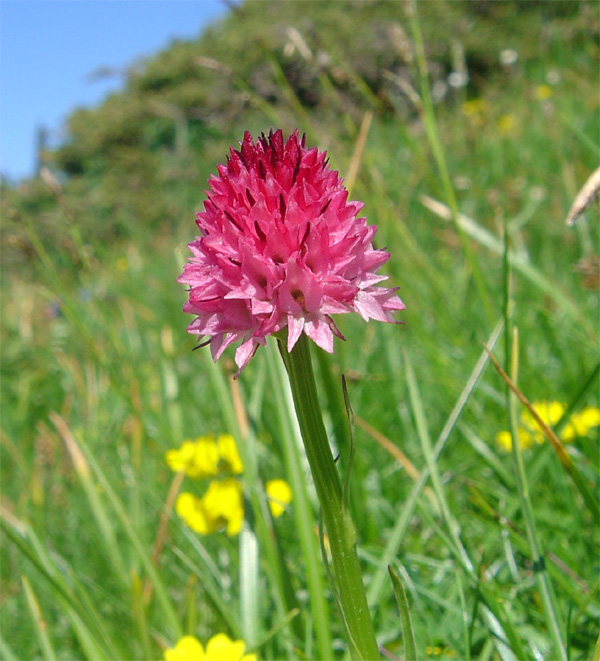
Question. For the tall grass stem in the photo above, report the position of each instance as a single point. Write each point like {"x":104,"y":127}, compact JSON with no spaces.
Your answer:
{"x":438,"y":154}
{"x":542,"y":579}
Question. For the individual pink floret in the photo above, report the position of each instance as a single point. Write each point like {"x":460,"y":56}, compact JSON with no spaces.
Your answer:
{"x":280,"y":246}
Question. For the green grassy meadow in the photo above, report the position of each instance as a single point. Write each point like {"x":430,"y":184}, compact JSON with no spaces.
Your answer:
{"x":469,"y":187}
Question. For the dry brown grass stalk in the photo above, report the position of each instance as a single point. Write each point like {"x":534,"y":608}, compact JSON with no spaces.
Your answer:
{"x":588,"y":193}
{"x":559,"y":448}
{"x":163,"y":528}
{"x":396,"y":452}
{"x":357,"y":156}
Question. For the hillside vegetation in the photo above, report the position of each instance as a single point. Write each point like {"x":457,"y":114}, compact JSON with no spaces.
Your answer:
{"x":135,"y":161}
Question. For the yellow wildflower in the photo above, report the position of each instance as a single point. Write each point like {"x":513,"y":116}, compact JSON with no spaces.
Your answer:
{"x":224,"y":504}
{"x":221,"y":507}
{"x":206,"y":457}
{"x":191,"y":510}
{"x":199,"y":458}
{"x":543,"y":92}
{"x":581,"y":423}
{"x":550,"y":413}
{"x":228,"y":455}
{"x":504,"y":439}
{"x":222,"y":648}
{"x":122,"y":264}
{"x":188,"y":648}
{"x":475,"y":110}
{"x":474,"y":107}
{"x":507,"y":124}
{"x":279,"y":494}
{"x":218,"y":648}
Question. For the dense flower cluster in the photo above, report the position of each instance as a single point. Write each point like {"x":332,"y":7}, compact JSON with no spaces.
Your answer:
{"x":280,"y":246}
{"x":218,"y":648}
{"x":578,"y":425}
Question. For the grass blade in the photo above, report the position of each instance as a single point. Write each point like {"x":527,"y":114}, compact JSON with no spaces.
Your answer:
{"x":6,"y":652}
{"x":401,"y":525}
{"x":542,"y":579}
{"x":38,"y":621}
{"x":465,"y":617}
{"x":429,"y":120}
{"x":408,"y":634}
{"x":138,"y":608}
{"x":249,"y":587}
{"x":517,"y":262}
{"x":103,"y":520}
{"x":423,"y":433}
{"x":88,"y":628}
{"x":280,"y":587}
{"x":557,"y":445}
{"x":171,"y":618}
{"x":213,"y":591}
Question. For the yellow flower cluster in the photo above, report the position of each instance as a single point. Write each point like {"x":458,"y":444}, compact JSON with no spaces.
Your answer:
{"x":543,"y":92}
{"x":206,"y":457}
{"x":507,"y":124}
{"x":476,"y":111}
{"x":218,"y":648}
{"x":579,"y":424}
{"x":222,"y":506}
{"x":479,"y":111}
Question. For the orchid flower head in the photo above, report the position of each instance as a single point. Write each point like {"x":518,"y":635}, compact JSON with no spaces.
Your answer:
{"x":281,"y":246}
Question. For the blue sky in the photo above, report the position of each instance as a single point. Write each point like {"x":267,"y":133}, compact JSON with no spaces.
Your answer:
{"x":49,"y":48}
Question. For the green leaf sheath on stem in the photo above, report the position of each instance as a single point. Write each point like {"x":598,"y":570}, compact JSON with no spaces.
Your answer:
{"x":340,"y":528}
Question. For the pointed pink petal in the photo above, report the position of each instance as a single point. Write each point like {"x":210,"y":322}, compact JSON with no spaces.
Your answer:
{"x":320,"y":333}
{"x":244,"y":353}
{"x":217,"y":348}
{"x":295,"y":327}
{"x":368,"y":307}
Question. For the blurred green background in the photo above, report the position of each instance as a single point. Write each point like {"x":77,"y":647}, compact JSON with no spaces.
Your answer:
{"x":94,"y":346}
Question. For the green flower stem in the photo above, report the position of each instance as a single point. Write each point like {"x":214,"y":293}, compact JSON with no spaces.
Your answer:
{"x":339,"y":525}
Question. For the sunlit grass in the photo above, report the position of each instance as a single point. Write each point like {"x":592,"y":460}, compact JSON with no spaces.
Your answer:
{"x":99,"y":383}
